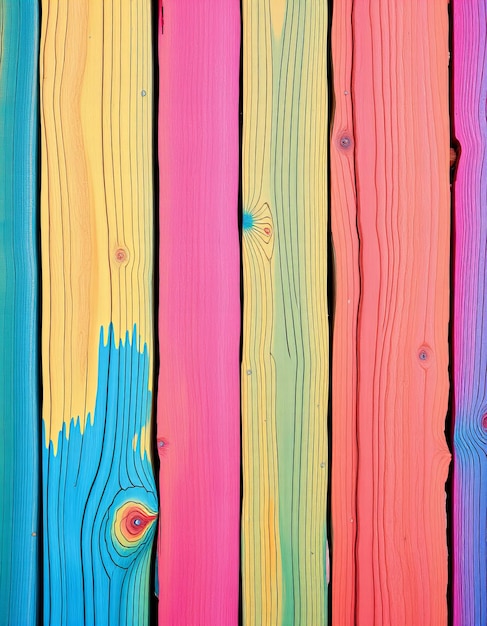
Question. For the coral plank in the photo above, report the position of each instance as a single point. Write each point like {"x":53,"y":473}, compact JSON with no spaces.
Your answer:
{"x":470,"y":315}
{"x":285,"y":318}
{"x":198,"y":429}
{"x":391,"y":226}
{"x":99,"y":495}
{"x":19,"y":352}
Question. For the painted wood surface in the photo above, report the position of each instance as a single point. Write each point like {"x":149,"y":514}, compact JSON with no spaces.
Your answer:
{"x":470,"y":315}
{"x":19,"y":375}
{"x":99,"y":495}
{"x":285,"y":319}
{"x":198,"y":423}
{"x":391,"y":234}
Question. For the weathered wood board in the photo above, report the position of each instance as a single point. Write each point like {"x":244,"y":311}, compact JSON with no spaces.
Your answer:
{"x":390,"y":210}
{"x":99,"y":497}
{"x":470,"y":314}
{"x":198,"y":422}
{"x":285,"y":318}
{"x":19,"y":341}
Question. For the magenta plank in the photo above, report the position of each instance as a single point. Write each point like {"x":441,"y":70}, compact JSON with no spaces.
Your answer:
{"x":198,"y":423}
{"x":470,"y":315}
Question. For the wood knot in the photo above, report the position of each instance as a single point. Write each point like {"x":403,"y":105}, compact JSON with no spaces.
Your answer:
{"x":425,"y":356}
{"x":161,"y":445}
{"x":132,"y":522}
{"x":345,"y":141}
{"x":258,"y":228}
{"x":121,"y":255}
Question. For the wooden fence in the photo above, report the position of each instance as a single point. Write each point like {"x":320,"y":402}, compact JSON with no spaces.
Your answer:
{"x":243,"y":312}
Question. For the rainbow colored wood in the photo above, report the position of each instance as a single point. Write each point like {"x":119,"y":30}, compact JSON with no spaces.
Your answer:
{"x":390,"y":210}
{"x":198,"y":428}
{"x":285,"y":318}
{"x":19,"y":375}
{"x":99,"y":496}
{"x":243,"y":409}
{"x":470,"y":315}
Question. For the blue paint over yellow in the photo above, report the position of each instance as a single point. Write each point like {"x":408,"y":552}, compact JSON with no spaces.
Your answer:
{"x":19,"y":376}
{"x":96,"y":571}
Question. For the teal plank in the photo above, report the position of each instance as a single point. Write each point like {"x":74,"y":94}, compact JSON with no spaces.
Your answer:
{"x":19,"y":376}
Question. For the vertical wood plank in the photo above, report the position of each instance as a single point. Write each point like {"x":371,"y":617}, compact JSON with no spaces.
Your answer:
{"x":390,"y":227}
{"x":347,"y":280}
{"x":199,"y":313}
{"x":285,"y":324}
{"x":470,"y":315}
{"x":19,"y":376}
{"x":97,"y":337}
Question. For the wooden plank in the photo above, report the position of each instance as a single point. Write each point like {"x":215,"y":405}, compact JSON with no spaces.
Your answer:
{"x":470,"y":315}
{"x":198,"y":428}
{"x":390,"y":228}
{"x":19,"y":379}
{"x":97,"y":326}
{"x":285,"y":323}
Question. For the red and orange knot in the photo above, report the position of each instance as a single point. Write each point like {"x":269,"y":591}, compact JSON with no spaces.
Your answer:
{"x":132,"y":521}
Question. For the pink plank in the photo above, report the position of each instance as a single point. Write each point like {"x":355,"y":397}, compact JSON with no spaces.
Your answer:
{"x":199,"y":314}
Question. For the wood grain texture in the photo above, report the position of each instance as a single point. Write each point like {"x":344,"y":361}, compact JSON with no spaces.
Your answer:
{"x":470,"y":315}
{"x":198,"y":426}
{"x":285,"y":324}
{"x":390,"y":227}
{"x":19,"y":375}
{"x":97,"y":246}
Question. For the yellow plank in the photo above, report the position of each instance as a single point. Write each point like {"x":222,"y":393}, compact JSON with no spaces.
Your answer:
{"x":96,"y":193}
{"x":285,"y":325}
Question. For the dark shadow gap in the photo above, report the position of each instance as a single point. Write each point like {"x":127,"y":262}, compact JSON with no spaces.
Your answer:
{"x":37,"y":254}
{"x":153,"y":600}
{"x":331,"y":308}
{"x":450,"y":416}
{"x":240,"y":218}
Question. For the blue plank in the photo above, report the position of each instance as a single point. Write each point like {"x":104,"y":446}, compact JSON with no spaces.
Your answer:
{"x":19,"y":372}
{"x":100,"y":503}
